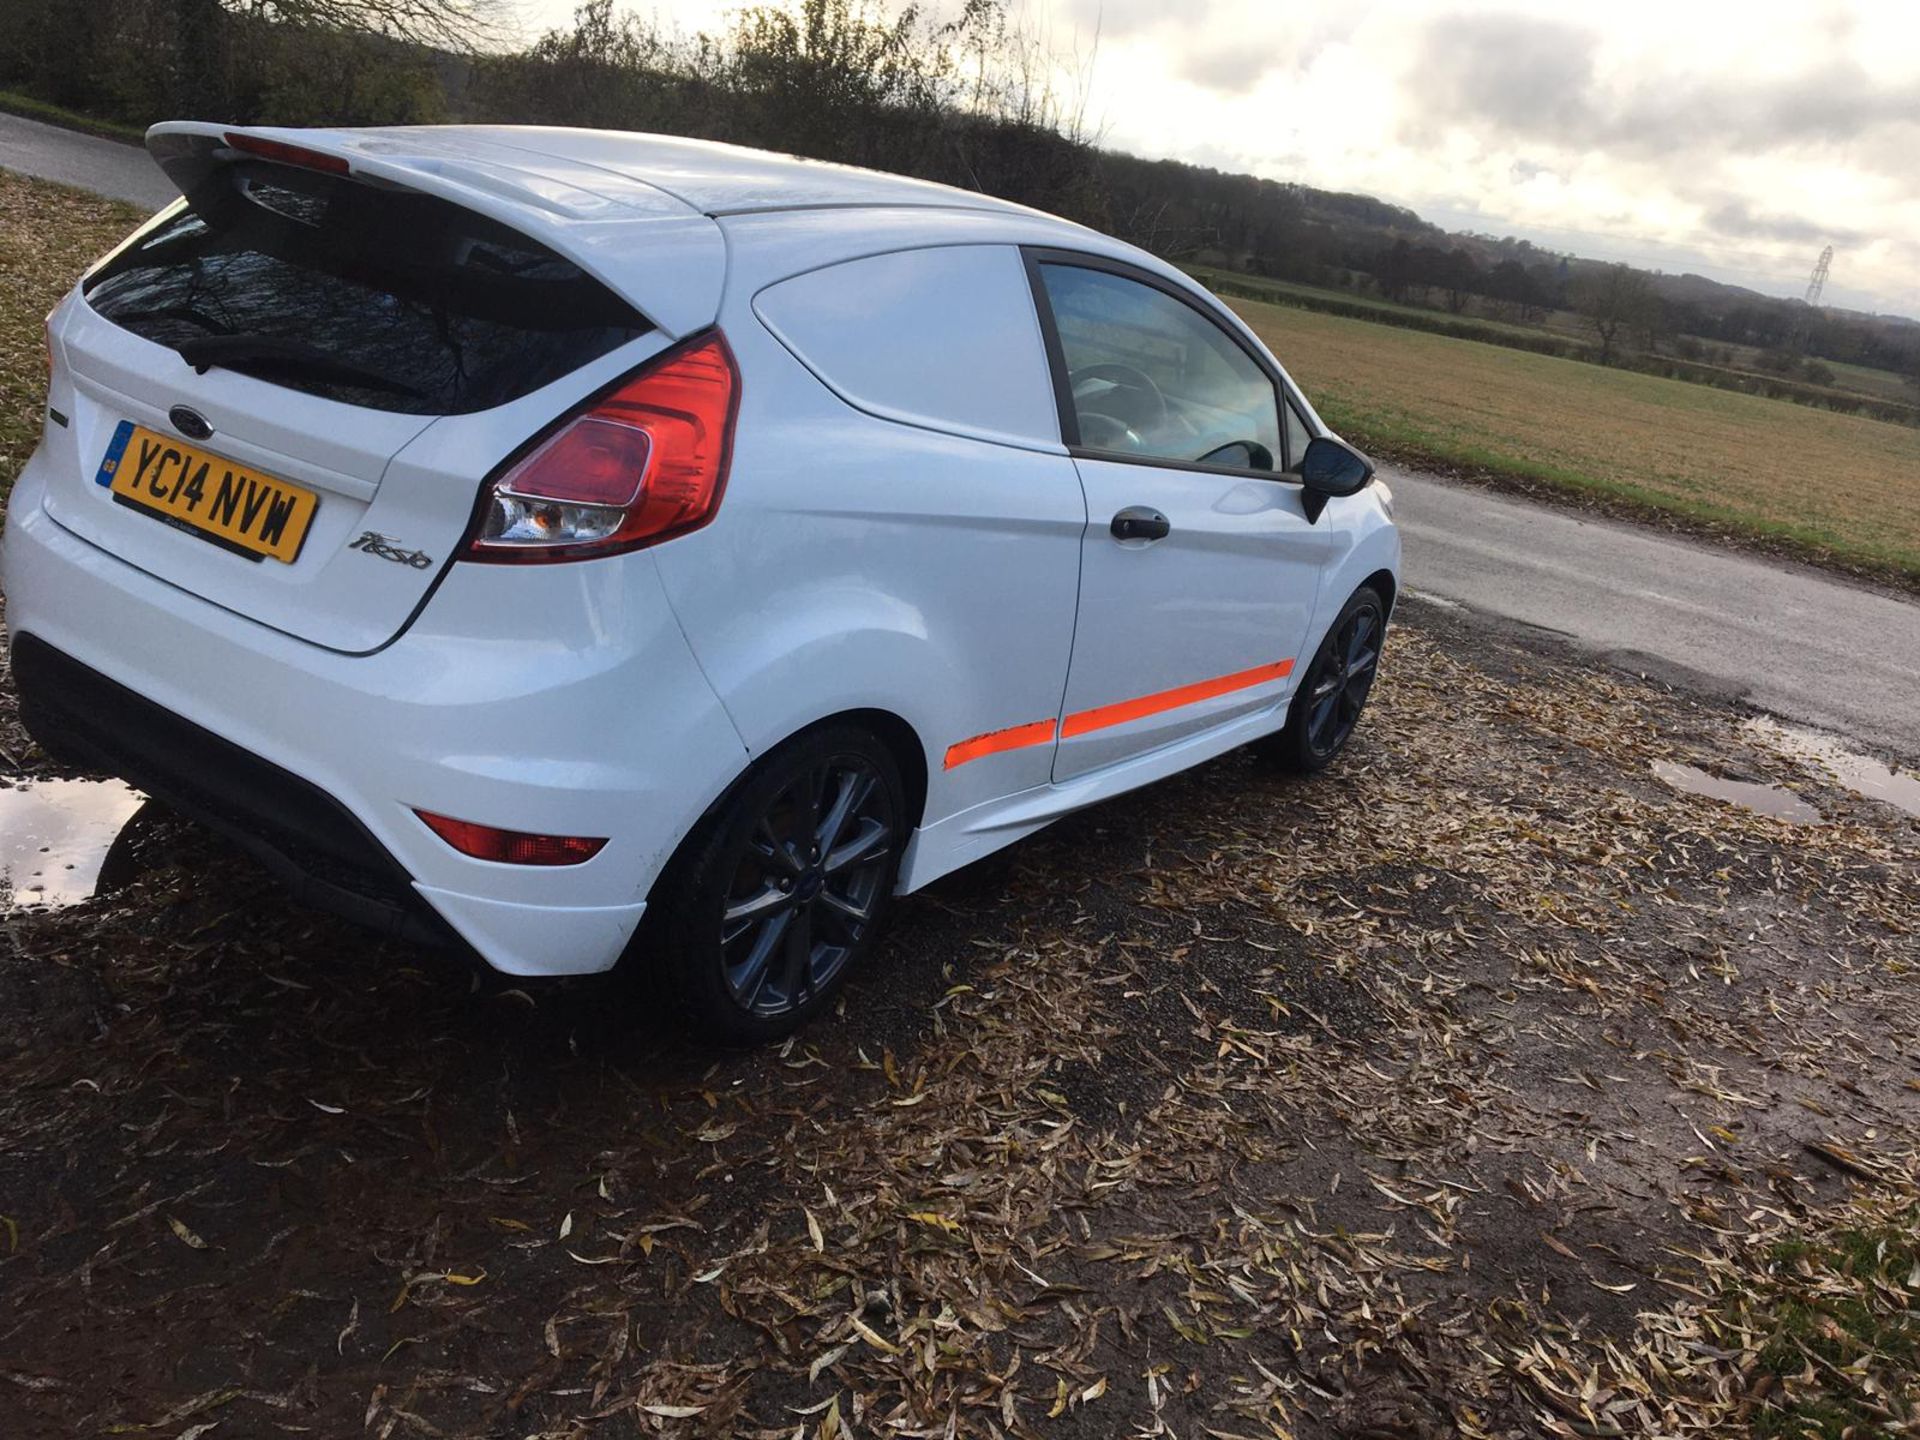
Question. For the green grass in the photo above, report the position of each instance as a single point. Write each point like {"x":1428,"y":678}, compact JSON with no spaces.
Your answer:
{"x":1839,"y":1332}
{"x":1838,"y":489}
{"x":1881,"y":384}
{"x":13,"y":102}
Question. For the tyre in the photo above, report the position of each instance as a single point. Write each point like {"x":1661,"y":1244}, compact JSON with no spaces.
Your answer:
{"x":781,"y":890}
{"x":1334,"y":690}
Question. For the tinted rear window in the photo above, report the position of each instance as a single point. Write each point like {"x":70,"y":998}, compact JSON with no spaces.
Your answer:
{"x":382,"y":298}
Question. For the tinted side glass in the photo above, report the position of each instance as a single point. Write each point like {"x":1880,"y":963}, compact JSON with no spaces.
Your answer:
{"x":381,"y":298}
{"x":1297,"y":437}
{"x":1152,"y":376}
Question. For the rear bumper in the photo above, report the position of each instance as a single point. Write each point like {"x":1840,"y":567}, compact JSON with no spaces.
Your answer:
{"x":303,"y":835}
{"x":554,"y":699}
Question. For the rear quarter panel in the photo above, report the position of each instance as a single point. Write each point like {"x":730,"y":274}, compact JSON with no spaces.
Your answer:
{"x":859,"y":563}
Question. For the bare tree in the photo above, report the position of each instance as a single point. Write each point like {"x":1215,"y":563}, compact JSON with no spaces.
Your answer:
{"x":204,"y":33}
{"x":446,"y":24}
{"x":1617,"y":301}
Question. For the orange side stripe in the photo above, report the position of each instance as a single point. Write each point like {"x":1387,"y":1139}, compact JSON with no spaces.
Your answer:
{"x":1102,"y":716}
{"x":1015,"y":737}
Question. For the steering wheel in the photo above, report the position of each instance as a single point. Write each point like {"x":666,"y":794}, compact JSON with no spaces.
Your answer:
{"x":1148,"y":412}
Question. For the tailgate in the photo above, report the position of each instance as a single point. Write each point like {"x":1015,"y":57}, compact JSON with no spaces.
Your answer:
{"x":286,"y":392}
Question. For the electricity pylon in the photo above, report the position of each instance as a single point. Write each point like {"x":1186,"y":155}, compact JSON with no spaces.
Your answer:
{"x":1819,"y":281}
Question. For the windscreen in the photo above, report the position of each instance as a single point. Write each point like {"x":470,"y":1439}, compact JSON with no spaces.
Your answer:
{"x":377,"y":297}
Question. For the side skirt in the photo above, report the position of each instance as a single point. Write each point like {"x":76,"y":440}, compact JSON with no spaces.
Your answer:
{"x":947,"y":845}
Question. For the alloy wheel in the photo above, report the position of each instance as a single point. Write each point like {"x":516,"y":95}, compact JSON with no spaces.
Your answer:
{"x":806,"y":885}
{"x":1337,"y":688}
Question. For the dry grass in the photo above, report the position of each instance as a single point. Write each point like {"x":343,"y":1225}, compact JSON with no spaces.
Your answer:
{"x":48,"y":235}
{"x":1834,"y":486}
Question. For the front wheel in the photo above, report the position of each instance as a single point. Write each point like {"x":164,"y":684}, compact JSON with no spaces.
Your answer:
{"x":1334,"y":690}
{"x":784,"y":887}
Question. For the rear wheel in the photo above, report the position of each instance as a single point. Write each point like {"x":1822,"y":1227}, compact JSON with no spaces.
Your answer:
{"x":1334,"y":690}
{"x":785,"y":886}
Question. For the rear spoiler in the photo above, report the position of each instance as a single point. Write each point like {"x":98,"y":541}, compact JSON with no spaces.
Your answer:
{"x":657,"y":252}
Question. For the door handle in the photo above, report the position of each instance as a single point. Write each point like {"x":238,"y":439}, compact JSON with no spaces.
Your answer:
{"x":1140,"y":522}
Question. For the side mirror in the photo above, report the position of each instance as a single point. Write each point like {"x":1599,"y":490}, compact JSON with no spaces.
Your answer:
{"x":1331,"y":468}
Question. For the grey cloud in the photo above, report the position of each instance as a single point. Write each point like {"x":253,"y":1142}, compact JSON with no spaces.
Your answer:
{"x":1232,"y":68}
{"x":1738,"y":220}
{"x":1117,"y":19}
{"x":1217,"y":44}
{"x":1514,"y":73}
{"x":1523,"y":170}
{"x":1531,"y":80}
{"x":1835,"y":103}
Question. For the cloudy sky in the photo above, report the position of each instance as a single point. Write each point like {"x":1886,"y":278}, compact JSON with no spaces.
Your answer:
{"x":1734,"y":139}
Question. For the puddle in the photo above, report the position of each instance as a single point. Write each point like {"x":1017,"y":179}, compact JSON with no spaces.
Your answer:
{"x":1861,"y":774}
{"x":1774,"y":800}
{"x":56,"y":835}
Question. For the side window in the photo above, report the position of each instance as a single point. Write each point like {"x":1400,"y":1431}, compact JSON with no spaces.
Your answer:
{"x":1151,"y":376}
{"x":1297,"y":436}
{"x":944,"y":338}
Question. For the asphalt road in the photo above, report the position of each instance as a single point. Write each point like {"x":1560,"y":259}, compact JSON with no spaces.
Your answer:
{"x":106,"y":167}
{"x":1783,"y":637}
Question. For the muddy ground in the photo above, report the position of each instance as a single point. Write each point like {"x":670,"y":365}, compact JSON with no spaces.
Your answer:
{"x":1406,"y":1101}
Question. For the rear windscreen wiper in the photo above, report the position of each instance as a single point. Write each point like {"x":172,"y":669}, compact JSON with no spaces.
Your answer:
{"x":276,"y":352}
{"x":174,"y":312}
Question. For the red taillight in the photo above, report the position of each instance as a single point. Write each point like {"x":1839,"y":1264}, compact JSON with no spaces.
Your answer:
{"x":285,"y":154}
{"x":511,"y":847}
{"x":644,"y":462}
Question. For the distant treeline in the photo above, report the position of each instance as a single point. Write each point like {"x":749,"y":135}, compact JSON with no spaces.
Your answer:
{"x":970,"y":100}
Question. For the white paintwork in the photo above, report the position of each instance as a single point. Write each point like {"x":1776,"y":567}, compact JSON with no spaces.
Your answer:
{"x":704,"y":175}
{"x":858,"y":563}
{"x":877,"y":549}
{"x":1230,"y":589}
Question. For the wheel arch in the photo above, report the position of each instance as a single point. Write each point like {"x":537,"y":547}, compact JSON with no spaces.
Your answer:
{"x":1385,"y":585}
{"x":901,"y":740}
{"x":892,"y":730}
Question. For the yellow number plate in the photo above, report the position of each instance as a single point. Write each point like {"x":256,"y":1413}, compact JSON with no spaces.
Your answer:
{"x":238,"y":509}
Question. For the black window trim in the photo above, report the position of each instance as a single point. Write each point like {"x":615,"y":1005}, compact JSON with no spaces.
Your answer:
{"x":1035,"y":256}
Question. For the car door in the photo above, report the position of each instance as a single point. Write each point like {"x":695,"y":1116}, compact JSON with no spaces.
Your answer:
{"x":1199,"y":568}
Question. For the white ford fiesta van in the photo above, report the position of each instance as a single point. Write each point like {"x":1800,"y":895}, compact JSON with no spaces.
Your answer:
{"x":509,"y":533}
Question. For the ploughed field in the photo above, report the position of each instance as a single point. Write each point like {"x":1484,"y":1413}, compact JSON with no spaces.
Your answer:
{"x":1829,"y":487}
{"x":1484,"y":1085}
